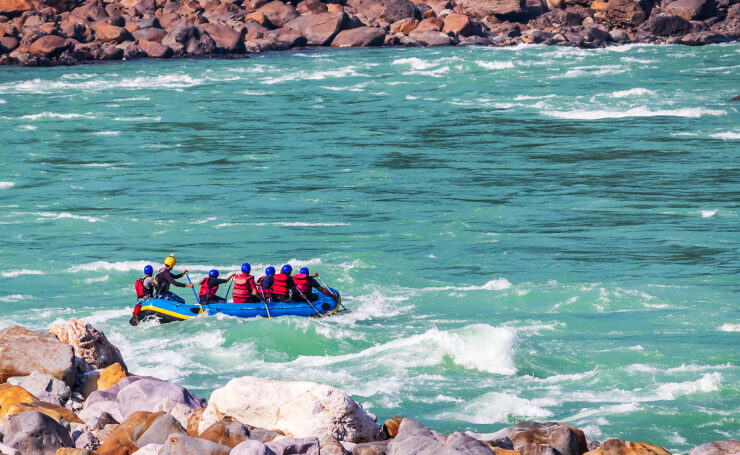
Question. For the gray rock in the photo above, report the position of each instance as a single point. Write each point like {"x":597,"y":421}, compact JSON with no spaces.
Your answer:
{"x":414,"y":438}
{"x":37,"y":383}
{"x":87,"y":441}
{"x":251,"y":447}
{"x":295,"y":446}
{"x":179,"y":444}
{"x":667,"y":25}
{"x":731,"y":447}
{"x":157,"y":431}
{"x":527,"y":435}
{"x":431,"y":38}
{"x":24,"y":351}
{"x":592,"y":445}
{"x":371,"y":448}
{"x":691,"y":9}
{"x":7,"y":450}
{"x":34,"y":433}
{"x":150,"y":449}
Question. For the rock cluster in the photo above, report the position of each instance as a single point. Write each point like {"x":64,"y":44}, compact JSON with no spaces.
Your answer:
{"x":69,"y":399}
{"x":44,"y":32}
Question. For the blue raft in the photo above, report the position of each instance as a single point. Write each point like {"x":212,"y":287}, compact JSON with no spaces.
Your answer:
{"x":169,"y":311}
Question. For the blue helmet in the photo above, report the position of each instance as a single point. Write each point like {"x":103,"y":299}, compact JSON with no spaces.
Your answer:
{"x":246,"y":268}
{"x":270,"y":270}
{"x":148,"y":270}
{"x":304,"y":270}
{"x":213,"y":273}
{"x":286,"y":269}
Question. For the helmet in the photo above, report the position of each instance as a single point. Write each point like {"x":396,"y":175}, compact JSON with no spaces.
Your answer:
{"x":286,"y":269}
{"x":270,"y":270}
{"x":148,"y":270}
{"x":170,"y":261}
{"x":213,"y":273}
{"x":246,"y":268}
{"x":304,"y":270}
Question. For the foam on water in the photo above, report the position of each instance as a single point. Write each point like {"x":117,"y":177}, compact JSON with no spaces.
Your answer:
{"x":729,"y":327}
{"x":13,"y":297}
{"x":54,"y":115}
{"x":42,"y":86}
{"x":498,"y":284}
{"x":631,"y":92}
{"x":494,"y":65}
{"x":708,"y":213}
{"x":497,"y":407}
{"x":17,"y":273}
{"x":6,"y":185}
{"x":106,"y":133}
{"x":582,"y":114}
{"x":729,"y":135}
{"x":65,"y":215}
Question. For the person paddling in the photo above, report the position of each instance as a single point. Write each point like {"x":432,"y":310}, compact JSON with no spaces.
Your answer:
{"x":282,"y":284}
{"x":304,"y":283}
{"x":264,"y":284}
{"x":164,"y":278}
{"x":209,"y":287}
{"x":245,"y":290}
{"x":144,"y":286}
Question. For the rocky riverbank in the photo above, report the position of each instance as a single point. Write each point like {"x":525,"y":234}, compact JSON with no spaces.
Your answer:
{"x":46,"y":32}
{"x":69,"y":392}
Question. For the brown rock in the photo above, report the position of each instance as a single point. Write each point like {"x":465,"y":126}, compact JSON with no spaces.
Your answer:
{"x":8,"y":43}
{"x":257,"y":16}
{"x":718,"y":447}
{"x":153,"y":49}
{"x":311,"y":7}
{"x":397,"y":10}
{"x":458,"y":24}
{"x":109,"y":53}
{"x":150,"y":34}
{"x":334,"y":8}
{"x":666,"y":25}
{"x":359,"y":37}
{"x":404,"y":26}
{"x":288,"y":37}
{"x":527,"y":437}
{"x":226,"y":39}
{"x":278,"y":13}
{"x":14,"y":7}
{"x":54,"y":411}
{"x":11,"y":395}
{"x":24,"y":351}
{"x":110,"y":376}
{"x":194,"y":421}
{"x":598,"y":5}
{"x":619,"y":447}
{"x":68,"y":451}
{"x":509,"y":9}
{"x":179,"y":444}
{"x":226,"y":432}
{"x":319,"y":29}
{"x":431,"y":38}
{"x":140,"y":429}
{"x":500,"y":451}
{"x":691,"y":9}
{"x":624,"y":14}
{"x":90,"y":12}
{"x":110,"y":33}
{"x":433,"y":23}
{"x":391,"y":426}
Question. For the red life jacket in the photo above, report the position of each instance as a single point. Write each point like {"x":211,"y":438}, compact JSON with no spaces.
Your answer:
{"x":139,"y":288}
{"x":266,"y":293}
{"x":207,"y":291}
{"x":280,"y":285}
{"x":301,"y":283}
{"x":243,"y":286}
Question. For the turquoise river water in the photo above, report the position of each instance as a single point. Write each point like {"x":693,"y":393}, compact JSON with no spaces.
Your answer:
{"x":526,"y":233}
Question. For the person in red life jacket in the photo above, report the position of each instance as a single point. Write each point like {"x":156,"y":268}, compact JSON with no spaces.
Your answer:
{"x":164,"y":278}
{"x":264,"y":284}
{"x":245,"y":290}
{"x":282,"y":284}
{"x":209,"y":287}
{"x":145,"y":286}
{"x":304,"y":283}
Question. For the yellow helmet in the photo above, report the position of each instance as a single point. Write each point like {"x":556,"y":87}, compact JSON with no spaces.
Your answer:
{"x":170,"y":262}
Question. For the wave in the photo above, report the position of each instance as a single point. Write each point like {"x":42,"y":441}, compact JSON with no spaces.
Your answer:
{"x":136,"y":98}
{"x":65,"y":215}
{"x":138,"y":119}
{"x":499,"y":284}
{"x":726,"y":136}
{"x":494,"y":65}
{"x":631,"y":92}
{"x":102,"y":316}
{"x":48,"y":115}
{"x":299,"y":224}
{"x":13,"y":297}
{"x":349,"y":71}
{"x":6,"y":185}
{"x":708,"y":213}
{"x":99,"y":279}
{"x":41,"y":86}
{"x":107,"y":133}
{"x":3,"y":102}
{"x":16,"y":273}
{"x":582,"y":114}
{"x":708,"y":383}
{"x":729,"y":328}
{"x":497,"y":407}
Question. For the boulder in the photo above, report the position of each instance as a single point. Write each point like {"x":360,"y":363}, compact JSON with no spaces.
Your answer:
{"x":717,"y":447}
{"x":289,"y":446}
{"x":288,"y":37}
{"x":8,"y":43}
{"x":24,"y":351}
{"x":251,"y":447}
{"x":390,"y":426}
{"x":37,"y":383}
{"x":691,"y":9}
{"x":564,"y":438}
{"x":371,"y":448}
{"x":66,"y":451}
{"x":502,"y":9}
{"x":404,"y":26}
{"x":298,"y":409}
{"x":179,"y":444}
{"x":87,"y":441}
{"x":433,"y":23}
{"x":150,"y":449}
{"x":458,"y":24}
{"x":177,"y":410}
{"x":619,"y":447}
{"x":319,"y":29}
{"x":140,"y":429}
{"x":414,"y":438}
{"x":226,"y":39}
{"x":56,"y":412}
{"x":396,"y":10}
{"x":330,"y":446}
{"x":14,"y":7}
{"x":666,"y":25}
{"x":359,"y":37}
{"x":624,"y":13}
{"x":278,"y":13}
{"x":194,"y":422}
{"x":257,"y":16}
{"x":34,"y":433}
{"x":431,"y":38}
{"x":226,"y":432}
{"x":178,"y":37}
{"x":106,"y":33}
{"x":311,"y":7}
{"x":11,"y":395}
{"x":150,"y":34}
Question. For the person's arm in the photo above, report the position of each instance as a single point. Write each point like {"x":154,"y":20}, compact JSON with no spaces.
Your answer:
{"x":170,"y":278}
{"x":321,"y":289}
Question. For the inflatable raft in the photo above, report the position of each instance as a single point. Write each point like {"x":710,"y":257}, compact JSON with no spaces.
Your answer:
{"x":169,"y":311}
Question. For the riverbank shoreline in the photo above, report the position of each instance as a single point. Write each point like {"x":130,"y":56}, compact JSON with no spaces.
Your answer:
{"x":69,"y":32}
{"x":68,"y":391}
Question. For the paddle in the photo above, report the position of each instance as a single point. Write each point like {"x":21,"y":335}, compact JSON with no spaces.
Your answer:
{"x":195,"y":293}
{"x":226,"y":297}
{"x":309,"y":302}
{"x":329,"y":289}
{"x":264,"y":300}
